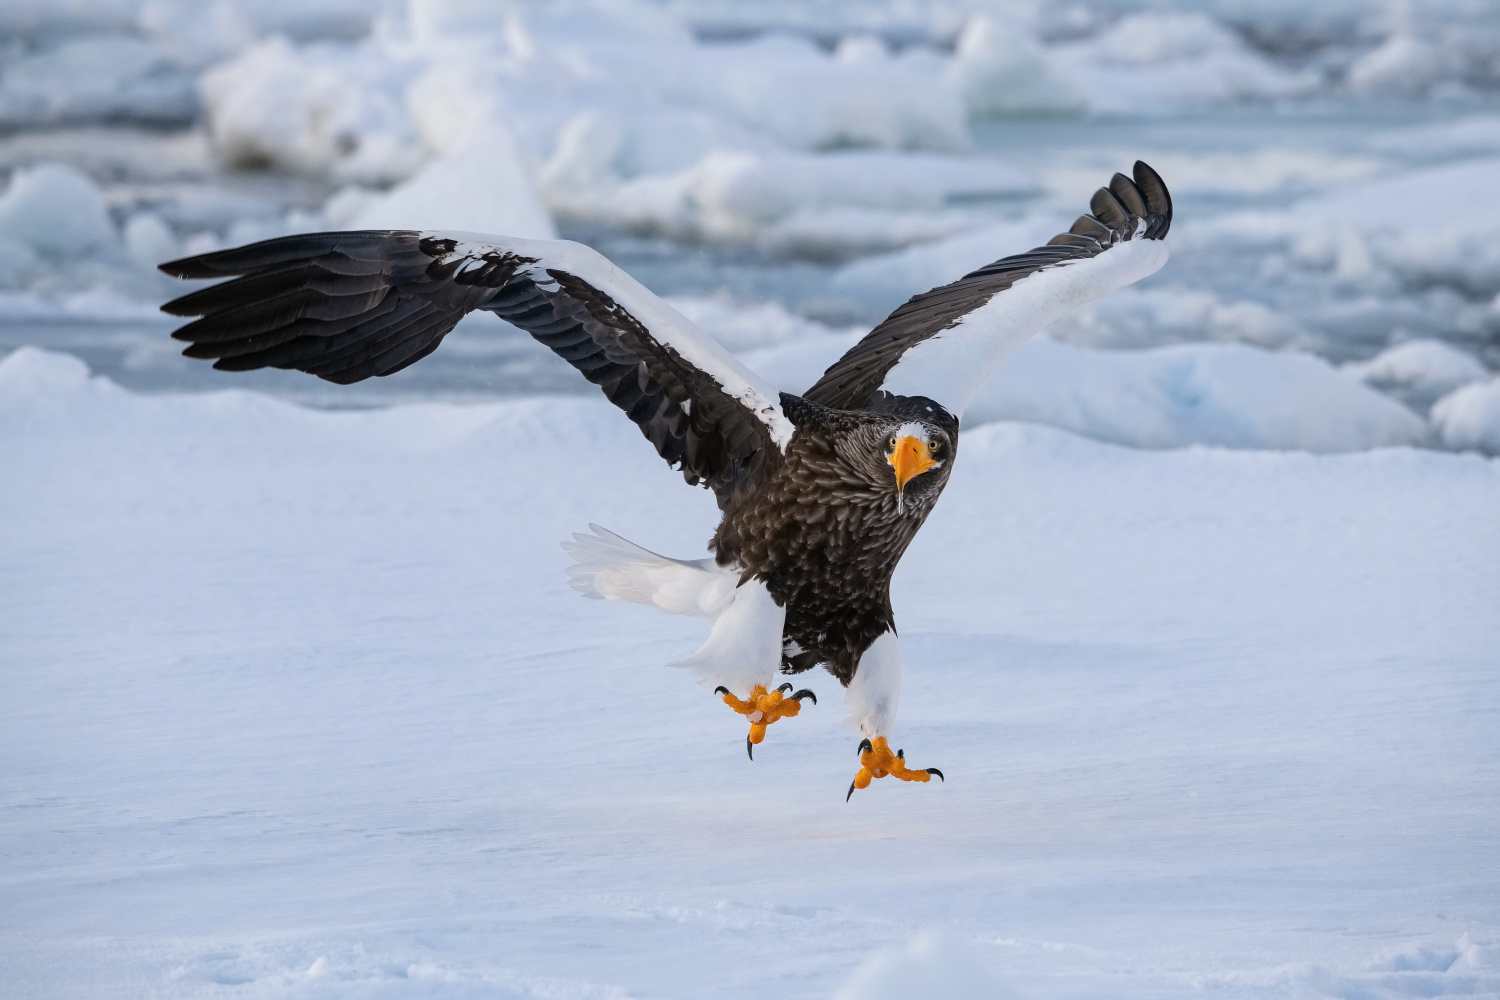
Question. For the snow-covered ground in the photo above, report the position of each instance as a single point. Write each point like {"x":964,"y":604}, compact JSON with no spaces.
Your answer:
{"x":299,"y":704}
{"x":295,"y":702}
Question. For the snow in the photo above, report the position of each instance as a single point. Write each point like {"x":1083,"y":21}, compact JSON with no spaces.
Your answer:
{"x":1421,"y":370}
{"x":299,"y":704}
{"x":929,"y":966}
{"x":1470,"y":417}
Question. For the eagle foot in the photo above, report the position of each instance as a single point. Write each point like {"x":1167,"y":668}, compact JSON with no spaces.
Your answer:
{"x":763,"y":708}
{"x":877,"y":761}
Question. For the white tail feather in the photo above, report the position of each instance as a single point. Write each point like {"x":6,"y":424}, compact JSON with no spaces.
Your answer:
{"x":612,"y":568}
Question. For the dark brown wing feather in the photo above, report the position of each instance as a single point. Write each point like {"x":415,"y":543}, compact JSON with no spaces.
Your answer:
{"x":1116,"y":212}
{"x":348,"y":306}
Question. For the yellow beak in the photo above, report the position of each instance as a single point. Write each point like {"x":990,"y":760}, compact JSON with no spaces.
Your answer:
{"x":910,"y":458}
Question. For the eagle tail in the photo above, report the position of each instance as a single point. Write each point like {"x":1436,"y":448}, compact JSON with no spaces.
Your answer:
{"x":608,"y":567}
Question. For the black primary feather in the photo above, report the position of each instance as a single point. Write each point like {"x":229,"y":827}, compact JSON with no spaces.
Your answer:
{"x":349,"y":306}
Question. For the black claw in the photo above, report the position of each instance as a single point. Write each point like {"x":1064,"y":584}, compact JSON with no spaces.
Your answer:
{"x":864,"y":745}
{"x":749,"y":748}
{"x":933,"y":770}
{"x":851,"y":792}
{"x":900,"y":754}
{"x":721,"y":689}
{"x":784,"y":688}
{"x":804,"y":693}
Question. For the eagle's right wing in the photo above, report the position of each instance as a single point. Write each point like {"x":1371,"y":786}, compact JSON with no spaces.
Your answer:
{"x":944,"y":343}
{"x":346,"y":306}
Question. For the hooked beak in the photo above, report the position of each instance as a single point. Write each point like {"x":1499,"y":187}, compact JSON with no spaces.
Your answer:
{"x":910,"y":458}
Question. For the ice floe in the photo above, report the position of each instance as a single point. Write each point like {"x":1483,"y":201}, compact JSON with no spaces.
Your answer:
{"x":1470,"y":417}
{"x":1419,"y":371}
{"x":55,"y":209}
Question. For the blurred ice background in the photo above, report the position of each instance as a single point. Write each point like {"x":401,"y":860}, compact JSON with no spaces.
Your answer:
{"x":790,"y":171}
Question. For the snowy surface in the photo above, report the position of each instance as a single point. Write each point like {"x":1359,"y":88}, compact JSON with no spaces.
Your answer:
{"x":299,"y":704}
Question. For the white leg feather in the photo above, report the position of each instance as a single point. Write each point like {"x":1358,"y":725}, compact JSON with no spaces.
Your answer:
{"x":744,"y":648}
{"x":875,"y":692}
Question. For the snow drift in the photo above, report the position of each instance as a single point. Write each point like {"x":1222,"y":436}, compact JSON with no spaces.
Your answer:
{"x":299,"y":703}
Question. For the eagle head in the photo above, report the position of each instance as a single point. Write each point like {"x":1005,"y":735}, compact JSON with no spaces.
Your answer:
{"x":911,"y":450}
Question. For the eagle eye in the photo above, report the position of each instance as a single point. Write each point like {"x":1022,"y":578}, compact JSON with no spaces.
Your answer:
{"x":893,"y":441}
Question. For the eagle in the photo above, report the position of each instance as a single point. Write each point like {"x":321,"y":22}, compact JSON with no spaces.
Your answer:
{"x":820,"y":492}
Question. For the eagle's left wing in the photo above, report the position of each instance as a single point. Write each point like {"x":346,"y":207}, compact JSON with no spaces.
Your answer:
{"x":944,"y":343}
{"x":351,"y":305}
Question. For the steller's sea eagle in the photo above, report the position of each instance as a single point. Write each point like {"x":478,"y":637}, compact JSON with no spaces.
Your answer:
{"x":820,"y":492}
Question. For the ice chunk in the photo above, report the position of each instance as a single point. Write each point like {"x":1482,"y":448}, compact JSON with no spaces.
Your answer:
{"x":149,"y":241}
{"x":484,"y":187}
{"x":1477,"y":953}
{"x":788,"y":88}
{"x":54,"y":208}
{"x":1419,"y":371}
{"x":1151,"y":61}
{"x":780,"y":198}
{"x":323,"y":110}
{"x":1439,"y":225}
{"x":1469,"y":418}
{"x":1001,"y":69}
{"x":930,"y":967}
{"x":1151,"y":317}
{"x":1229,"y":395}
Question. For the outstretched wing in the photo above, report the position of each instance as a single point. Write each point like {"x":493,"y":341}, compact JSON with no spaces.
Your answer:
{"x":944,"y":343}
{"x":346,"y":306}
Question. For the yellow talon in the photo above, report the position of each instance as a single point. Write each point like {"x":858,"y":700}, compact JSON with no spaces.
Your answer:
{"x":877,"y":761}
{"x":763,"y":708}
